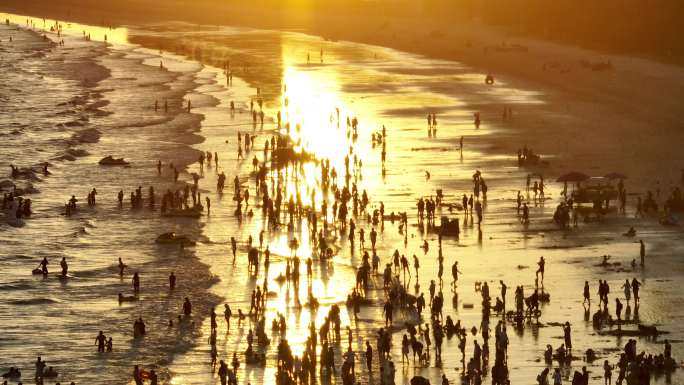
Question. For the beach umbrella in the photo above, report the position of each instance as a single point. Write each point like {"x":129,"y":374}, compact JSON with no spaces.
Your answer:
{"x":615,"y":175}
{"x":573,"y":177}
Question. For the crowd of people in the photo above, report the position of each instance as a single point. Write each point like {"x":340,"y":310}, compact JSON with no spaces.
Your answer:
{"x":347,"y":213}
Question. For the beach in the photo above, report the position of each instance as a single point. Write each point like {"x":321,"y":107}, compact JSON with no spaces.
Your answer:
{"x":597,"y":122}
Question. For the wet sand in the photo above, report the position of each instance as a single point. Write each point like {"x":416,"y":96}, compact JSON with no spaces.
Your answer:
{"x":502,"y":240}
{"x":627,"y":114}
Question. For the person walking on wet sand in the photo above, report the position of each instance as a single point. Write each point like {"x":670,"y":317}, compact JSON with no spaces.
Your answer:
{"x":635,"y":290}
{"x":233,"y":246}
{"x":567,"y":336}
{"x":618,"y":312}
{"x":214,"y":324}
{"x":454,"y":273}
{"x":388,"y":309}
{"x":478,"y":211}
{"x":208,"y":205}
{"x":627,"y":287}
{"x":172,"y":281}
{"x":642,"y":252}
{"x":540,"y":270}
{"x":587,"y":296}
{"x":223,"y":372}
{"x":227,"y":313}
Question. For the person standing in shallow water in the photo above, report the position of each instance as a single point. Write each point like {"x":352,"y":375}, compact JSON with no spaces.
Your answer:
{"x":136,"y":283}
{"x":122,"y":266}
{"x":65,"y":267}
{"x":642,"y":252}
{"x":172,"y":281}
{"x":100,"y":341}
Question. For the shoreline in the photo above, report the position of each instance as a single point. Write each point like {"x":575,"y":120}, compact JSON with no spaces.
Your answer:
{"x":578,"y":101}
{"x":160,"y":348}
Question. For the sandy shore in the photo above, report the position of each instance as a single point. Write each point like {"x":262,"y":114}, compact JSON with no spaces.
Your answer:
{"x":623,"y":119}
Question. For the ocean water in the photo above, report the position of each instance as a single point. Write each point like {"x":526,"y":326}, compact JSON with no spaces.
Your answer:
{"x":75,"y":104}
